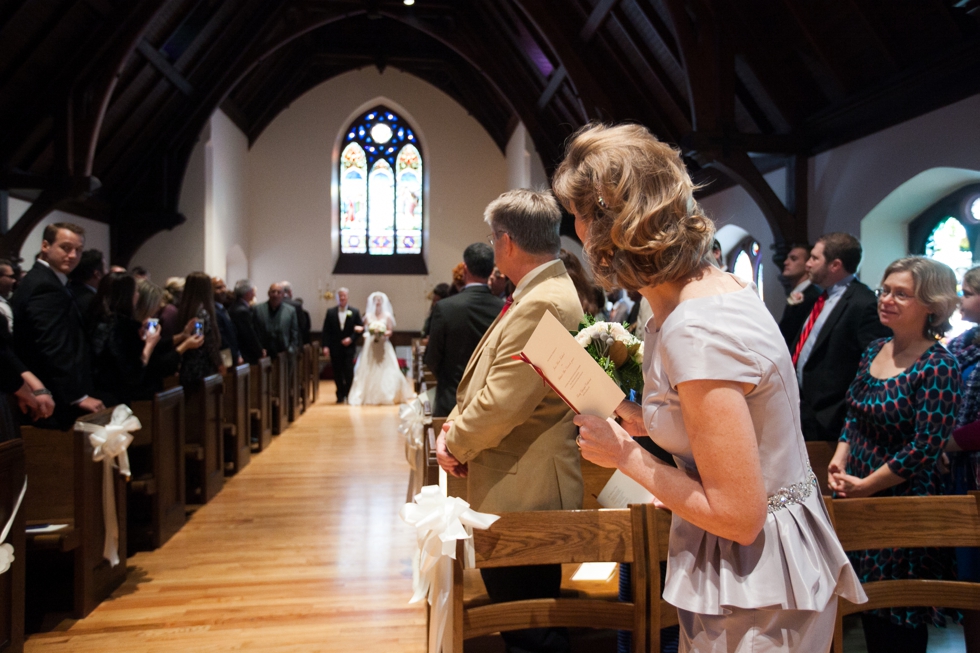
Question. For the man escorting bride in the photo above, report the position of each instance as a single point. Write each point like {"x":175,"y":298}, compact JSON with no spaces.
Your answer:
{"x":378,"y":379}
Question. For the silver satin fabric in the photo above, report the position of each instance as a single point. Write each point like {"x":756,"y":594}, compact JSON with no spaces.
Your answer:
{"x":797,"y":562}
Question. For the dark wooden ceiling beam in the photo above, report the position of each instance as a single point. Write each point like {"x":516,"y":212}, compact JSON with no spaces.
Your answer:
{"x":599,"y":13}
{"x":661,"y":28}
{"x":887,"y":57}
{"x":163,"y":66}
{"x":833,"y":84}
{"x":557,"y":79}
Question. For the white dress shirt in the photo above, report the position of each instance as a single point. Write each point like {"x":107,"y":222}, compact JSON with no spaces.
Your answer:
{"x":834,"y":293}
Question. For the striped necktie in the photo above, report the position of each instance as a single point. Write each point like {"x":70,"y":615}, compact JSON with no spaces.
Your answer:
{"x":808,"y":327}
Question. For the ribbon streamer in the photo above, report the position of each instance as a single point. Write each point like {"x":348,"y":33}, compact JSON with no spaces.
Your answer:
{"x":110,"y":443}
{"x":523,"y":357}
{"x":439,"y":522}
{"x":7,"y":550}
{"x":413,"y":422}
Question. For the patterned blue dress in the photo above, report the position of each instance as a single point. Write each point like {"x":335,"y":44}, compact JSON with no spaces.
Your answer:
{"x":904,"y":422}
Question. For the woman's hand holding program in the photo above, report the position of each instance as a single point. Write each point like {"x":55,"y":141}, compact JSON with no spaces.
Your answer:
{"x":603,"y":441}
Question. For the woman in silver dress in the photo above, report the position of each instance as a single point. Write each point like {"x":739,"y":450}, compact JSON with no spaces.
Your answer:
{"x":754,"y":562}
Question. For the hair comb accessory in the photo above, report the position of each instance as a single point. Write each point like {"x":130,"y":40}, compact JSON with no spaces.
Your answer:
{"x":602,"y":202}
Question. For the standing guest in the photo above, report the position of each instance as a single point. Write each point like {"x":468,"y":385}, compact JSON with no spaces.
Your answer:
{"x":121,"y":345}
{"x":583,"y":284}
{"x":84,"y":279}
{"x":197,"y":305}
{"x":441,"y":291}
{"x":50,"y":335}
{"x":509,"y":433}
{"x":165,"y":358}
{"x":839,"y":328}
{"x":621,"y":306}
{"x":139,"y":273}
{"x":457,"y":283}
{"x":459,"y":323}
{"x":964,"y":446}
{"x":227,"y":330}
{"x":341,"y":326}
{"x":243,"y":318}
{"x":33,"y":399}
{"x":302,"y":315}
{"x":277,"y":322}
{"x":901,"y":410}
{"x":802,"y":292}
{"x":173,"y":290}
{"x":8,"y":279}
{"x":745,"y":571}
{"x":500,"y":285}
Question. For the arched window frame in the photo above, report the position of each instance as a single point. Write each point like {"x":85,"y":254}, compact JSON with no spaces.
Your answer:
{"x":751,"y":248}
{"x":358,"y":131}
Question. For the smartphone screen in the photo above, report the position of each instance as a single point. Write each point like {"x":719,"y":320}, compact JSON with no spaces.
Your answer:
{"x":198,"y":328}
{"x":152,"y":325}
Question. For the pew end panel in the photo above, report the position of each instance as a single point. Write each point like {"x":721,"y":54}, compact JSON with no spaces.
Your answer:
{"x":279,"y":390}
{"x":12,"y":583}
{"x":236,"y":425}
{"x":820,"y":454}
{"x":260,"y":405}
{"x":65,"y":487}
{"x":157,"y":498}
{"x":204,"y":451}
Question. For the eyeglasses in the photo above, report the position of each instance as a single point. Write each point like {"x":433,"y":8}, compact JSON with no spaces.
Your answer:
{"x":491,"y":237}
{"x":897,"y":295}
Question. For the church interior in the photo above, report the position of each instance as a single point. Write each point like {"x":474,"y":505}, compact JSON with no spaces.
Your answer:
{"x":242,"y":138}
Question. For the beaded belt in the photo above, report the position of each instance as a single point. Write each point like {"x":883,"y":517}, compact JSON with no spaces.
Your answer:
{"x":795,"y":493}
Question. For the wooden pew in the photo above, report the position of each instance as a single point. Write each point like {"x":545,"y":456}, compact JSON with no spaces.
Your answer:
{"x":315,"y":372}
{"x":157,"y":492}
{"x":260,"y":404}
{"x":280,"y":393}
{"x":552,"y":537}
{"x":907,"y":522}
{"x":820,"y":454}
{"x":204,"y":448}
{"x":293,"y":390}
{"x":304,"y":378}
{"x":12,"y":582}
{"x":651,"y":531}
{"x":65,"y":487}
{"x":236,"y":420}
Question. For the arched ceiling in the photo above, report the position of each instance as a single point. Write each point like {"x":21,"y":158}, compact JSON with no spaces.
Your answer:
{"x":101,"y":101}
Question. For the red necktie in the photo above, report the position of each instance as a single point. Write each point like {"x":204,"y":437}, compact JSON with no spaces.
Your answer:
{"x":507,"y":304}
{"x":808,"y":327}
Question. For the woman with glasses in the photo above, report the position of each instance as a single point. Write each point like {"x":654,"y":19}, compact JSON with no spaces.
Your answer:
{"x":901,"y":410}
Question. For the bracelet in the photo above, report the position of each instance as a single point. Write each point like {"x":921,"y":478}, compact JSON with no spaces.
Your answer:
{"x":42,"y":391}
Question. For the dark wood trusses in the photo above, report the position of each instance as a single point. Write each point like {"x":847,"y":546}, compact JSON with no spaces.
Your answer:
{"x":102,"y":101}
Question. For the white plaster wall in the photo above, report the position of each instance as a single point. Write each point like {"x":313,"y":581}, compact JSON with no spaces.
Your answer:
{"x":524,"y":167}
{"x":291,"y":201}
{"x":226,"y":220}
{"x":96,"y":233}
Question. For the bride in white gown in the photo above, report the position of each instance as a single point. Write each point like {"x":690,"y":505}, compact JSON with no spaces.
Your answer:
{"x":378,"y":380}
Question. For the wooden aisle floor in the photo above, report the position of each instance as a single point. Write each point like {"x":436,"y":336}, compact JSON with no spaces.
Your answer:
{"x":301,"y":551}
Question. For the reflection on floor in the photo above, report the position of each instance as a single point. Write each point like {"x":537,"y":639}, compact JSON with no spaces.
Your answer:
{"x":941,"y":640}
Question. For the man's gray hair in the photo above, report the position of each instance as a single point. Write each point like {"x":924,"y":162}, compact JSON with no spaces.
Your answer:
{"x":243,"y":287}
{"x":531,"y":218}
{"x":342,"y":289}
{"x":287,"y":288}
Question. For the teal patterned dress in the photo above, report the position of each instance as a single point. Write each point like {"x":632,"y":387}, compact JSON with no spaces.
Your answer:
{"x":904,"y":422}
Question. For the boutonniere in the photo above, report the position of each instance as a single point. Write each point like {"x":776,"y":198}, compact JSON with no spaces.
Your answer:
{"x":350,"y":313}
{"x":794,"y":299}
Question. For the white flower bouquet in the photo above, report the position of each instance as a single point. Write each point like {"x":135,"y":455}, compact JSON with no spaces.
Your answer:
{"x":377,"y":329}
{"x":616,"y":350}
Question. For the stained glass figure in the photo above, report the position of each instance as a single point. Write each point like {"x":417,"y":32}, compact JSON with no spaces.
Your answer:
{"x":409,"y":201}
{"x":381,"y":210}
{"x":353,"y":200}
{"x":948,"y":243}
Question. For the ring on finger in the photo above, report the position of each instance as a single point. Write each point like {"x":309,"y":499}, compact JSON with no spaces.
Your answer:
{"x":578,"y":440}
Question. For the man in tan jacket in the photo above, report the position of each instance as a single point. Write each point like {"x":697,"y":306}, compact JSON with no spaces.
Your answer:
{"x":510,"y":434}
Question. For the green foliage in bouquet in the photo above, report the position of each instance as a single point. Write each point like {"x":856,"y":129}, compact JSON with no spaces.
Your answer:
{"x":616,"y":350}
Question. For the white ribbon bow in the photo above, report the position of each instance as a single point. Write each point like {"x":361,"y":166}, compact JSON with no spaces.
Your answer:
{"x":439,"y":522}
{"x":7,"y":550}
{"x":413,"y":421}
{"x":110,"y":442}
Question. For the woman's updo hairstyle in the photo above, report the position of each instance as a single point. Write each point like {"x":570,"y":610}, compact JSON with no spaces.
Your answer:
{"x":634,"y":193}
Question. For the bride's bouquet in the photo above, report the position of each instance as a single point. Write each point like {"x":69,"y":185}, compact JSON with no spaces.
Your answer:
{"x":377,"y":329}
{"x":617,"y":351}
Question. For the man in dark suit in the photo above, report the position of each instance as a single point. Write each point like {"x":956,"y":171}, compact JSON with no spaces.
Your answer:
{"x":84,"y":279}
{"x":802,"y":293}
{"x":249,"y":344}
{"x":458,"y":324}
{"x":841,"y":325}
{"x":302,"y":315}
{"x":49,"y":336}
{"x":341,"y":326}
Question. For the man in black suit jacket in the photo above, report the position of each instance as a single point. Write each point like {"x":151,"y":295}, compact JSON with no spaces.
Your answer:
{"x":802,"y":293}
{"x":302,"y":315}
{"x":341,"y":326}
{"x":458,"y":324}
{"x":243,"y":319}
{"x":827,"y":357}
{"x":83,"y":282}
{"x":49,"y":337}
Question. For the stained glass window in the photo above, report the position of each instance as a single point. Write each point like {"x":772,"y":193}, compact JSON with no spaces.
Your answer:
{"x":747,"y":264}
{"x":381,"y":184}
{"x":949,"y":243}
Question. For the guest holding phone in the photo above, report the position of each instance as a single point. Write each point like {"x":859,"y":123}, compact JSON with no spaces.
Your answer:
{"x":197,"y":304}
{"x":164,"y":360}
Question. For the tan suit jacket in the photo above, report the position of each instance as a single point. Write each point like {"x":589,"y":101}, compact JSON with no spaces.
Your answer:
{"x":514,"y":432}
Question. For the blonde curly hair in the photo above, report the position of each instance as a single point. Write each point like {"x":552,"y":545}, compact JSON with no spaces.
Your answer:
{"x":637,"y":200}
